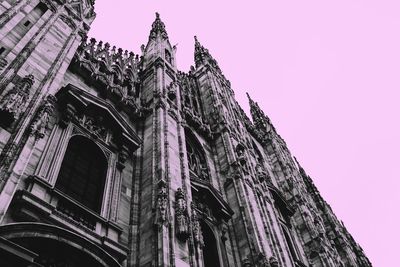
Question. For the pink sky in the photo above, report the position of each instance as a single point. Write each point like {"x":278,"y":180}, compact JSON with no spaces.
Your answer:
{"x":326,"y":72}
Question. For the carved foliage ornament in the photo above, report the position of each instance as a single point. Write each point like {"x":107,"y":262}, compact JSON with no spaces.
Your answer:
{"x":182,"y":231}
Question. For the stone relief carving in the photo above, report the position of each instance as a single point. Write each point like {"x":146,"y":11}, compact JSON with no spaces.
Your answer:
{"x":182,"y":231}
{"x":171,"y":91}
{"x":273,"y":261}
{"x":41,"y":121}
{"x":197,"y":233}
{"x":95,"y":126}
{"x":13,"y":103}
{"x":122,"y":157}
{"x":240,"y":154}
{"x":162,"y":203}
{"x":68,"y":114}
{"x":262,"y":260}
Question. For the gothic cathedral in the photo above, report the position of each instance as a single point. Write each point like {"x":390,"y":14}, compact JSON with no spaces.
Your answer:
{"x":111,"y":158}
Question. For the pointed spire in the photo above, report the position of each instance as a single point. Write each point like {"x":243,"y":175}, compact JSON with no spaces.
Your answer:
{"x":252,"y":103}
{"x":261,"y":121}
{"x":158,"y":28}
{"x":202,"y":55}
{"x":198,"y":52}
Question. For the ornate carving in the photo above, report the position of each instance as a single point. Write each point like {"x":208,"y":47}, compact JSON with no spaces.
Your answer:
{"x":3,"y":63}
{"x":246,"y":262}
{"x":14,"y":101}
{"x":182,"y":231}
{"x":95,"y":125}
{"x":122,"y":157}
{"x":6,"y":157}
{"x":41,"y":121}
{"x":240,"y":154}
{"x":117,"y":69}
{"x":162,"y":203}
{"x":158,"y":27}
{"x":197,"y":233}
{"x":262,"y":260}
{"x":261,"y":174}
{"x":273,"y":261}
{"x":68,"y":114}
{"x":171,"y":91}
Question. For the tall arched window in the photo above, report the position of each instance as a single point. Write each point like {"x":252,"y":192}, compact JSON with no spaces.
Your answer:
{"x":83,"y":173}
{"x":196,"y":158}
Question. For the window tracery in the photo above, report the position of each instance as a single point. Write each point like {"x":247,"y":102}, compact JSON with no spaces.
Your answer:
{"x":197,"y":161}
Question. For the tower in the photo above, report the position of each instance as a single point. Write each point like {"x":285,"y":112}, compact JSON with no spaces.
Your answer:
{"x":111,"y":158}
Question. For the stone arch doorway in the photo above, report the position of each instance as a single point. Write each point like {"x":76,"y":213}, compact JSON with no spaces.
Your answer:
{"x":43,"y":245}
{"x":210,"y":250}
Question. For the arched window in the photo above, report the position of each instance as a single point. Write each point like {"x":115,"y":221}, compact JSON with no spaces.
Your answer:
{"x":83,"y":173}
{"x":196,"y":158}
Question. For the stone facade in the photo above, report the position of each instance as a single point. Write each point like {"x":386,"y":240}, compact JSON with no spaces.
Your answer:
{"x":110,"y":158}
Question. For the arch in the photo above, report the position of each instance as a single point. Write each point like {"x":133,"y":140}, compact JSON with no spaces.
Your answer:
{"x":196,"y":157}
{"x":83,"y":172}
{"x":42,"y":239}
{"x":210,"y":250}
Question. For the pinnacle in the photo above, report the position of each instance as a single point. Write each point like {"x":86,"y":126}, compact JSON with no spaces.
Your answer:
{"x":158,"y":28}
{"x":251,"y":101}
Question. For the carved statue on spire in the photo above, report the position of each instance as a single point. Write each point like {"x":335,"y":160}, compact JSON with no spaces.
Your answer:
{"x":158,"y":27}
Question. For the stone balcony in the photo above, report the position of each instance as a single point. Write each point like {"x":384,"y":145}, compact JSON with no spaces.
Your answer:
{"x":41,"y":202}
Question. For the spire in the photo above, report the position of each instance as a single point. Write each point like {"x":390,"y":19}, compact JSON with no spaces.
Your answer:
{"x":203,"y":56}
{"x":158,"y":28}
{"x":261,"y":121}
{"x":198,"y":52}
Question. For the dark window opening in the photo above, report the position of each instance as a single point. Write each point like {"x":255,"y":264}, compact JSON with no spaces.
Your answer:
{"x":210,"y":250}
{"x":42,"y":7}
{"x":83,"y":173}
{"x":27,"y":23}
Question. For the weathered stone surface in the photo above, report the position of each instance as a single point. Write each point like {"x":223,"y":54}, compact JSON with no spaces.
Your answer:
{"x":190,"y":180}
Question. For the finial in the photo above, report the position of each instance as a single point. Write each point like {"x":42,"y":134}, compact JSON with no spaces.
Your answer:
{"x":158,"y":27}
{"x":196,"y":42}
{"x":250,"y":100}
